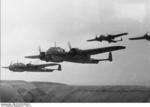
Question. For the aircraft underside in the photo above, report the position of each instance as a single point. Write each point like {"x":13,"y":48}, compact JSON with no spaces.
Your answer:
{"x":113,"y":40}
{"x":33,"y":70}
{"x":75,"y":59}
{"x":92,"y":61}
{"x":109,"y":40}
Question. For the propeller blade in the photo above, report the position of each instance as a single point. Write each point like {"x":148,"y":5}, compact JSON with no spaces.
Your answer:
{"x":69,"y":45}
{"x":96,"y":36}
{"x":39,"y":49}
{"x":11,"y":63}
{"x":146,"y":34}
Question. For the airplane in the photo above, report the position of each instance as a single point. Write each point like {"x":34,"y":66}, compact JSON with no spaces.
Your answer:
{"x":109,"y":38}
{"x":146,"y":36}
{"x":21,"y":67}
{"x":75,"y":55}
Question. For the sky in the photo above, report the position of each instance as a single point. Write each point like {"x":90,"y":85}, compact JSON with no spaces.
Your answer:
{"x":28,"y":24}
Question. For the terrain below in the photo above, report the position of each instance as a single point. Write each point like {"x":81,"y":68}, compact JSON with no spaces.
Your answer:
{"x":21,"y":91}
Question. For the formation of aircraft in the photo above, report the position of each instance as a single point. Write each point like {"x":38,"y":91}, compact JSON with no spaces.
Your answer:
{"x":75,"y":55}
{"x":57,"y":54}
{"x":146,"y":37}
{"x":110,"y":38}
{"x":21,"y":67}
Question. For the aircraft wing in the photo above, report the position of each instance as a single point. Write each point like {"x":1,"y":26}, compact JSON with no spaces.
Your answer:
{"x":45,"y":65}
{"x":101,"y":50}
{"x":118,"y":35}
{"x":95,"y":51}
{"x":137,"y":38}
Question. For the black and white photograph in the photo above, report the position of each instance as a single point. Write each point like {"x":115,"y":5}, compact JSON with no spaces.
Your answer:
{"x":75,"y":51}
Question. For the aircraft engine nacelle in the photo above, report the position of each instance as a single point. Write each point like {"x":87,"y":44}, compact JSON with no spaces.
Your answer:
{"x":74,"y":51}
{"x":110,"y":36}
{"x":42,"y":56}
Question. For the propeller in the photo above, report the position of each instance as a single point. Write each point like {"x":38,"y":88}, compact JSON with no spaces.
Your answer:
{"x":11,"y":63}
{"x":95,"y":35}
{"x":30,"y":62}
{"x":146,"y":34}
{"x":42,"y":54}
{"x":39,"y":48}
{"x":69,"y":45}
{"x":72,"y":51}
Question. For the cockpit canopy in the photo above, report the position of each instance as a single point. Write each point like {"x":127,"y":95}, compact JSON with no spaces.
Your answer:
{"x":55,"y":50}
{"x":101,"y":36}
{"x":18,"y":65}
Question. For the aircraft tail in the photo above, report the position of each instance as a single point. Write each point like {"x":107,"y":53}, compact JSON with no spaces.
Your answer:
{"x":110,"y":57}
{"x":121,"y":39}
{"x":59,"y":67}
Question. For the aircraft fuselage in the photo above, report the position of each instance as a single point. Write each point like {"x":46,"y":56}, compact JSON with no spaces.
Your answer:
{"x":75,"y":55}
{"x":57,"y":54}
{"x":31,"y":70}
{"x":107,"y":39}
{"x":74,"y":58}
{"x":21,"y":67}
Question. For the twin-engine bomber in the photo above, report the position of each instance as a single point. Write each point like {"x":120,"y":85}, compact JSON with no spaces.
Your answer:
{"x":21,"y":67}
{"x":57,"y":54}
{"x":75,"y":55}
{"x":110,"y":38}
